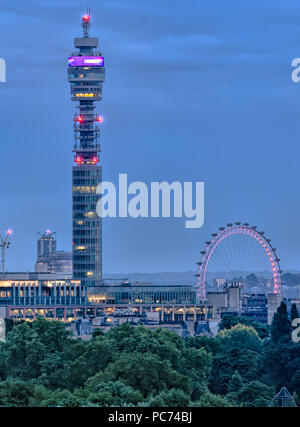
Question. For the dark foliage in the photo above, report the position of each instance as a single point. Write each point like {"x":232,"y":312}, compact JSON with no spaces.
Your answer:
{"x":41,"y":364}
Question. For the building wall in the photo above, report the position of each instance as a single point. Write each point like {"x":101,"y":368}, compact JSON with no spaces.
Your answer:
{"x":46,"y":245}
{"x":41,"y":293}
{"x":219,"y":302}
{"x":234,"y":299}
{"x":135,"y":294}
{"x":29,"y":295}
{"x":87,"y":225}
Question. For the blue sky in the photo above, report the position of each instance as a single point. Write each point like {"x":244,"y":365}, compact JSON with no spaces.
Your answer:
{"x":194,"y":90}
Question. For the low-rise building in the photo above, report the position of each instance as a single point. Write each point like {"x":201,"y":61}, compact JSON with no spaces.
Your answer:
{"x":31,"y":295}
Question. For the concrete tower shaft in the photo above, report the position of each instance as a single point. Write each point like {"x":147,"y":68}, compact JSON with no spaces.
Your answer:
{"x":86,"y":74}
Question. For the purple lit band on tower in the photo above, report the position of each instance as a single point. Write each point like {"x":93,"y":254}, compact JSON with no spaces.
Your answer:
{"x":86,"y":61}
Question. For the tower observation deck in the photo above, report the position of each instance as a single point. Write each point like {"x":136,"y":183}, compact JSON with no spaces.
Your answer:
{"x":86,"y":74}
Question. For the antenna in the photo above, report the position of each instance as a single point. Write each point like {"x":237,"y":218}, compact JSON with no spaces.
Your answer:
{"x":4,"y":245}
{"x":86,"y":23}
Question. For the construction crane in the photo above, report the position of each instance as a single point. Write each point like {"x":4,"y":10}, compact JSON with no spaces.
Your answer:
{"x":4,"y":244}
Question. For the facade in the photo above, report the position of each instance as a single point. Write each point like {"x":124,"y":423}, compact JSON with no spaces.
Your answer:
{"x":61,"y":262}
{"x":255,"y":307}
{"x":140,"y":294}
{"x":30,"y":295}
{"x":46,"y":245}
{"x":228,"y":301}
{"x":86,"y":74}
{"x":49,"y":259}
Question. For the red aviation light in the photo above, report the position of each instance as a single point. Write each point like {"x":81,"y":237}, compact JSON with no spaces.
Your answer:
{"x":99,"y":119}
{"x":80,"y":119}
{"x":95,"y":159}
{"x":78,"y":159}
{"x":86,"y":18}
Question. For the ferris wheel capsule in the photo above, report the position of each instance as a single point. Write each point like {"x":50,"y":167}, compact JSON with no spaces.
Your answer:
{"x":261,"y":232}
{"x":246,"y":224}
{"x":221,"y":228}
{"x":208,"y":242}
{"x":203,"y":252}
{"x":197,"y":274}
{"x":254,"y":227}
{"x":237,"y":223}
{"x":199,"y":263}
{"x":229,"y":224}
{"x":214,"y":234}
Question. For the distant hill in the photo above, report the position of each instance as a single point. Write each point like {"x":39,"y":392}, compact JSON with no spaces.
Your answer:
{"x":188,"y":278}
{"x":290,"y":277}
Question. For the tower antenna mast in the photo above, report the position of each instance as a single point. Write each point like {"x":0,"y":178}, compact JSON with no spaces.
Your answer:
{"x":86,"y":23}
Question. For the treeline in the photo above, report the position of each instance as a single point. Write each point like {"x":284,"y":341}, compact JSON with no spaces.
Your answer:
{"x":41,"y":364}
{"x":291,"y":279}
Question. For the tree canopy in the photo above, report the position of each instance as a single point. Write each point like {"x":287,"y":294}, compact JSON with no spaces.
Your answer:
{"x":42,"y":364}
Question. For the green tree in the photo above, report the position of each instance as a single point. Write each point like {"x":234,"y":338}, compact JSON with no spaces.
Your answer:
{"x":40,"y":395}
{"x":210,"y":344}
{"x":144,"y":372}
{"x":162,"y":342}
{"x":234,"y":387}
{"x":294,"y":312}
{"x":97,"y":332}
{"x":29,"y":344}
{"x":42,"y":365}
{"x":113,"y":393}
{"x":295,"y":378}
{"x":252,"y":280}
{"x":240,"y":336}
{"x":281,"y":326}
{"x":10,"y":323}
{"x":280,"y":364}
{"x":193,"y":363}
{"x":297,"y":399}
{"x":211,"y":400}
{"x":225,"y":363}
{"x":229,"y":320}
{"x":17,"y":393}
{"x":256,"y":394}
{"x":236,"y":383}
{"x":196,"y":364}
{"x":170,"y":398}
{"x":60,"y":398}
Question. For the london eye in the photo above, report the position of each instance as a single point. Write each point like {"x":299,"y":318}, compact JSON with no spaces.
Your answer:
{"x":235,"y":246}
